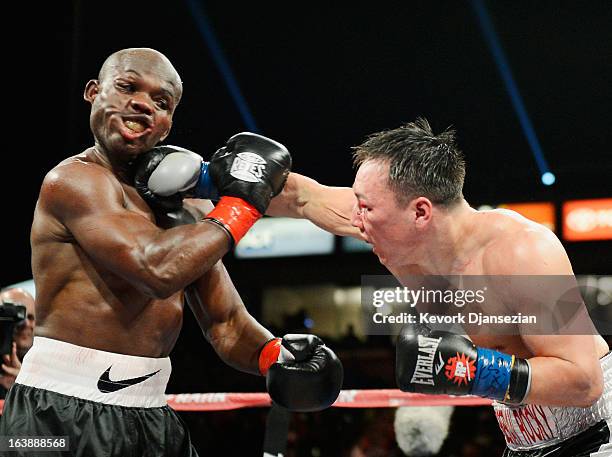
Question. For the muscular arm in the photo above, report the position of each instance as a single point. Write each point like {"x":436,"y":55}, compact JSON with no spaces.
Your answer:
{"x":88,"y":201}
{"x":565,"y":367}
{"x":327,"y":207}
{"x":234,"y":334}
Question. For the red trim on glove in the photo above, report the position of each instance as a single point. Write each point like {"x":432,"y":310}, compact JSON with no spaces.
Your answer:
{"x":236,"y":215}
{"x":269,"y":355}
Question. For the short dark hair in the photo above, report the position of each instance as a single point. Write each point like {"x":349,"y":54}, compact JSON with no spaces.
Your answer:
{"x":420,"y":163}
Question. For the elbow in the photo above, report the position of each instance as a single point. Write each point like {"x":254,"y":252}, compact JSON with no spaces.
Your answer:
{"x":160,"y":291}
{"x":158,"y":285}
{"x":589,"y":390}
{"x":155,"y":288}
{"x":153,"y":277}
{"x":162,"y":284}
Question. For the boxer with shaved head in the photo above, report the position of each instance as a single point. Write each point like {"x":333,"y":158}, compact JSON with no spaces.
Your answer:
{"x":112,"y":272}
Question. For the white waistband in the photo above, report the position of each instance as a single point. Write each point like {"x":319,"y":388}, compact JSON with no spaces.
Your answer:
{"x":103,"y":377}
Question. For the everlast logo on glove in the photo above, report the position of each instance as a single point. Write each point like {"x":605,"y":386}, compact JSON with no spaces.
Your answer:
{"x":423,"y":372}
{"x":248,"y":167}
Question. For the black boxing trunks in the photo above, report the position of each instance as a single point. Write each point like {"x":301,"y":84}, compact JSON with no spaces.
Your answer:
{"x":107,"y":404}
{"x":543,"y":431}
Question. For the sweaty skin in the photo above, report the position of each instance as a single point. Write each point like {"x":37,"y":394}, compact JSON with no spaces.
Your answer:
{"x":460,"y":240}
{"x":110,"y":274}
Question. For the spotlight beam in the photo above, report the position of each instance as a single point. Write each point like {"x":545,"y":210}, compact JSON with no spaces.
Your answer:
{"x":222,"y":64}
{"x":492,"y":40}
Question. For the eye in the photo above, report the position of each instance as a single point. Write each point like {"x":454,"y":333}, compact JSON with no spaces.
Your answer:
{"x":125,"y":87}
{"x":362,"y":208}
{"x":162,"y":103}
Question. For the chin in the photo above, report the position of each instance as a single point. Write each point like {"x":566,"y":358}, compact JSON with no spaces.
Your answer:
{"x":389,"y":262}
{"x":121,"y":146}
{"x":23,"y":342}
{"x":382,"y":259}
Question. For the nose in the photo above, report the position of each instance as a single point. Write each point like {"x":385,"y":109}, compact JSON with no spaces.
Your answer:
{"x":27,"y":322}
{"x":140,"y":105}
{"x":356,"y":220}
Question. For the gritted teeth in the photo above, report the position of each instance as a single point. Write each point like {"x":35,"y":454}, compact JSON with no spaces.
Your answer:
{"x":135,"y":126}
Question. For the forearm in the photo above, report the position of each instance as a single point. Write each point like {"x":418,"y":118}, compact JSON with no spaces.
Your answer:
{"x":234,"y":334}
{"x":558,"y":382}
{"x":327,"y":207}
{"x":239,"y":340}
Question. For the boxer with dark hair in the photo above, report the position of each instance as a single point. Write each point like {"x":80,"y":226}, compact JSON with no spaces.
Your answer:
{"x":111,"y":275}
{"x":407,"y":202}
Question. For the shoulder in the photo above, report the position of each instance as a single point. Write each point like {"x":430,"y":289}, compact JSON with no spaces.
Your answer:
{"x":74,"y":183}
{"x":522,"y":247}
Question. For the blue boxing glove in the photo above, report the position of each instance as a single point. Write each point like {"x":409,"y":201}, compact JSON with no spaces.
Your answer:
{"x":437,"y":362}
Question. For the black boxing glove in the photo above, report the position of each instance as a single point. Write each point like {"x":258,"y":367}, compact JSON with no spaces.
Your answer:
{"x":438,"y":362}
{"x":247,"y":173}
{"x":310,"y":382}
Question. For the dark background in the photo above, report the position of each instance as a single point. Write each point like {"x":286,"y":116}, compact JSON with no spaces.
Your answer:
{"x":319,"y":78}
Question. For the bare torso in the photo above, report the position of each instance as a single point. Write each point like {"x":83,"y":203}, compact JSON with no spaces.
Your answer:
{"x":493,"y":227}
{"x":80,"y":301}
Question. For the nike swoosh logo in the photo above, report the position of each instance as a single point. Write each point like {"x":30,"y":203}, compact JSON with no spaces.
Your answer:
{"x":106,"y":385}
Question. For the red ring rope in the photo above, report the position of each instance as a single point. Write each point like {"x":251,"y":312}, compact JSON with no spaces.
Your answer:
{"x":371,"y":398}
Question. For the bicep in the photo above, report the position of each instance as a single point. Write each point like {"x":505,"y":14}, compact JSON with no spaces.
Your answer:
{"x":577,"y":349}
{"x":543,"y":285}
{"x":119,"y":240}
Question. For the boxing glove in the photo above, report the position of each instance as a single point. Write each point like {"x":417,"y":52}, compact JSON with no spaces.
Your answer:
{"x":248,"y":171}
{"x":438,"y":362}
{"x":166,"y":174}
{"x":309,"y":380}
{"x":243,"y":175}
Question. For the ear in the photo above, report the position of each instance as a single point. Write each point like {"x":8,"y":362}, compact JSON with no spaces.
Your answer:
{"x":92,"y":88}
{"x":423,"y":210}
{"x":166,"y":133}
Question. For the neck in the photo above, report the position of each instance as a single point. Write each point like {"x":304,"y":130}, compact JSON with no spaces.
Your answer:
{"x":447,"y":246}
{"x":119,"y":166}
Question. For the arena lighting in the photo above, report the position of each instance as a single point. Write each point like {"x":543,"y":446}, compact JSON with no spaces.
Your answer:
{"x":490,"y":35}
{"x":540,"y":212}
{"x":585,"y":220}
{"x":284,"y":237}
{"x":548,"y":178}
{"x":222,"y":65}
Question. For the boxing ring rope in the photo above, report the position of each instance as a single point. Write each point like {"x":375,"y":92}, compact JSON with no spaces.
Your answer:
{"x":370,"y":398}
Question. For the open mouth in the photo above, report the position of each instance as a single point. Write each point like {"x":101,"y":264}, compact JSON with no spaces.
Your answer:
{"x":135,"y":126}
